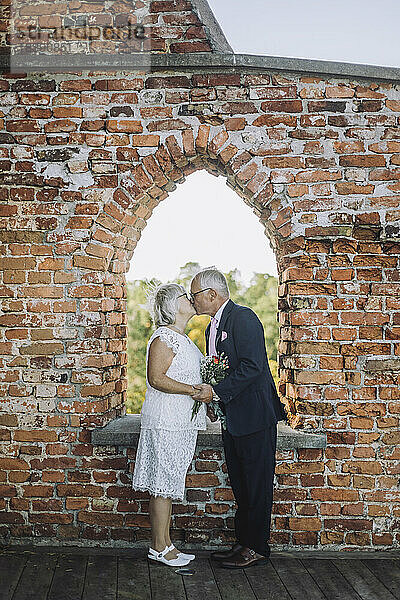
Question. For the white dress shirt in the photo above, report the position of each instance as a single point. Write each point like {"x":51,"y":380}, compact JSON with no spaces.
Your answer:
{"x":215,"y":320}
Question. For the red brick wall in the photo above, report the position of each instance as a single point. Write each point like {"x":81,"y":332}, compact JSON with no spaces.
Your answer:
{"x":85,"y":159}
{"x":107,"y":27}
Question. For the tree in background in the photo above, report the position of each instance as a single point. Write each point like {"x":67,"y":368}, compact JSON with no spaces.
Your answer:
{"x":140,"y":328}
{"x":261,"y":295}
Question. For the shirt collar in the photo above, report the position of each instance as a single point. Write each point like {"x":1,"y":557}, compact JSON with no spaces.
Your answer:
{"x":218,"y":314}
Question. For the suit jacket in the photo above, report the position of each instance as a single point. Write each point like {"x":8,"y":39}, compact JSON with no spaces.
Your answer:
{"x":248,"y":393}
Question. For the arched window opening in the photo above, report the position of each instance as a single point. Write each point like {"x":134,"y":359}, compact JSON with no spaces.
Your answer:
{"x":202,"y":223}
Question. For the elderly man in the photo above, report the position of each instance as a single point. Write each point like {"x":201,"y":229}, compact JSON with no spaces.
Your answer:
{"x":249,"y":399}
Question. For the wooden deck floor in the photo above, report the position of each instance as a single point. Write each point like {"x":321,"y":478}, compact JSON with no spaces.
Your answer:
{"x":105,"y":574}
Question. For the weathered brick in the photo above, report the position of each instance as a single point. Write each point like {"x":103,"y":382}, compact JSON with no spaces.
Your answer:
{"x":201,"y":480}
{"x":163,"y":83}
{"x":348,"y":524}
{"x":168,"y":125}
{"x":326,"y":106}
{"x":304,"y":524}
{"x":235,"y":124}
{"x":339,"y":92}
{"x":362,"y":161}
{"x":284,"y":106}
{"x":89,"y":262}
{"x":60,"y":125}
{"x":217,"y":142}
{"x":119,"y":84}
{"x":195,"y":46}
{"x":228,"y":153}
{"x":202,"y":138}
{"x":124,"y":126}
{"x":145,"y":140}
{"x":318,"y":162}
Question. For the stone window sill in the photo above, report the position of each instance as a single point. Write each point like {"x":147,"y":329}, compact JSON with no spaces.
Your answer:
{"x":124,"y":431}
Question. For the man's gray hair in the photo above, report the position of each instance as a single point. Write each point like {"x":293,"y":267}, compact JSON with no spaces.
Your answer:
{"x":165,"y":304}
{"x":214,"y":279}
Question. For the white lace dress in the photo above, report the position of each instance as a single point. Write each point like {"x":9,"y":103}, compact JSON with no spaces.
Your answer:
{"x":168,"y":437}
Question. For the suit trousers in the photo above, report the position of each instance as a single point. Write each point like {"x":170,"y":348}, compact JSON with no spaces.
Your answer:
{"x":250,"y":460}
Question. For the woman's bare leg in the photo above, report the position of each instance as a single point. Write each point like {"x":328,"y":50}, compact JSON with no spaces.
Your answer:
{"x":160,"y":511}
{"x":167,"y":528}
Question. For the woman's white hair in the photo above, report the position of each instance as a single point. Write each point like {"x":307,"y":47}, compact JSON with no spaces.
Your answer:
{"x":165,"y":303}
{"x":214,"y":279}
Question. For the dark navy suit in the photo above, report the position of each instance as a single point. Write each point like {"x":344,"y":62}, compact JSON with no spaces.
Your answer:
{"x":250,"y":401}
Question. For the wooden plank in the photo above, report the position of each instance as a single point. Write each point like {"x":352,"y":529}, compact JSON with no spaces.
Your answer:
{"x":266,"y":584}
{"x":36,"y":577}
{"x":201,"y":585}
{"x":40,"y":575}
{"x":11,"y":567}
{"x":232,"y":583}
{"x":133,"y":578}
{"x":296,"y":579}
{"x":387,"y":571}
{"x":329,"y":579}
{"x":337,"y":554}
{"x":69,"y":577}
{"x":101,"y":578}
{"x":165,"y":583}
{"x":363,"y":581}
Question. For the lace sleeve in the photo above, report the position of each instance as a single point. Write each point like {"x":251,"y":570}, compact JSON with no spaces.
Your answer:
{"x":169,"y":337}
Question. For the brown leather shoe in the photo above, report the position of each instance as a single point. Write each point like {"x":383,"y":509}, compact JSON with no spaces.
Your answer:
{"x":225,"y":554}
{"x":245,"y":558}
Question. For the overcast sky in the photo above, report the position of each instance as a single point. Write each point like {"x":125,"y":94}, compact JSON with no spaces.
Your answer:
{"x":227,"y":233}
{"x":206,"y":222}
{"x":361,"y":31}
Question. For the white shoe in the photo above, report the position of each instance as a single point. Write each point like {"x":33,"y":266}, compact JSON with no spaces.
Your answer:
{"x":160,"y":557}
{"x":182,"y":554}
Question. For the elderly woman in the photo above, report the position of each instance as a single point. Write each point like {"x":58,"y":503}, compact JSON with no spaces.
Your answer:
{"x":168,"y":435}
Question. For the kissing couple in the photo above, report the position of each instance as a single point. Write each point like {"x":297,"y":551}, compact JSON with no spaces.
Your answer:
{"x":247,"y":398}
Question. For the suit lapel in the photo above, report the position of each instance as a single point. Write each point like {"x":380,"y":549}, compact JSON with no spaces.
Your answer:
{"x":207,"y":336}
{"x":225,"y":314}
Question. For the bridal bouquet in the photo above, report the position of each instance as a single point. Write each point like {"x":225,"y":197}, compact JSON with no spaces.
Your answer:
{"x":213,"y":370}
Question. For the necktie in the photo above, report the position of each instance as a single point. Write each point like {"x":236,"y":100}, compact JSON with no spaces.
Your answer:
{"x":213,"y":335}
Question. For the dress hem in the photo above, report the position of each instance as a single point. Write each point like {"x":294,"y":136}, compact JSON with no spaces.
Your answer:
{"x":156,"y":493}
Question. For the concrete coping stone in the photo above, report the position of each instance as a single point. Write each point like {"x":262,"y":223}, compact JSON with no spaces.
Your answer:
{"x":216,"y":34}
{"x":194,"y":61}
{"x":124,"y":431}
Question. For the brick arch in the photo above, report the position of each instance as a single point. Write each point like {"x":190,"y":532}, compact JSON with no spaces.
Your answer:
{"x":142,"y":187}
{"x":92,"y":230}
{"x":328,"y":244}
{"x":106,"y":254}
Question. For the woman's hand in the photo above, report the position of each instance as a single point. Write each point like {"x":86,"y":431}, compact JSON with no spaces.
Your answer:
{"x":204,"y":392}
